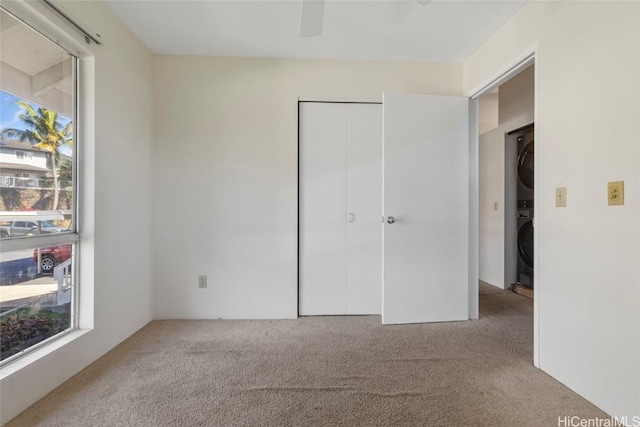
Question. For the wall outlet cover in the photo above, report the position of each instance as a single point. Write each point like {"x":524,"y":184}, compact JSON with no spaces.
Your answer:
{"x":561,"y":197}
{"x":202,"y":281}
{"x":615,"y":193}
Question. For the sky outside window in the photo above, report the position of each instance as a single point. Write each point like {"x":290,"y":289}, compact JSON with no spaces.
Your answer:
{"x":10,"y":115}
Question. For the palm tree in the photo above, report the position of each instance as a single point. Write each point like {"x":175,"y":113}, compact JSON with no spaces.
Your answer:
{"x":65,"y":180}
{"x":45,"y":132}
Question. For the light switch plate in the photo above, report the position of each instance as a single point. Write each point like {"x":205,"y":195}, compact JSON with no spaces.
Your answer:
{"x":615,"y":193}
{"x":561,"y":197}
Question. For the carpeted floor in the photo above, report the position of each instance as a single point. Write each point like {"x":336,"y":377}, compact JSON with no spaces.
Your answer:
{"x":320,"y":371}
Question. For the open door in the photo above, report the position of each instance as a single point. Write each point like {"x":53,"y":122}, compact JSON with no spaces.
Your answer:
{"x":426,"y":208}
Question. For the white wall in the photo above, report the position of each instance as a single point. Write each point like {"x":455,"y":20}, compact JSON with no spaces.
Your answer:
{"x":488,"y":112}
{"x":116,"y":203}
{"x":225,"y":173}
{"x":588,"y":277}
{"x":497,"y":264}
{"x":491,"y":218}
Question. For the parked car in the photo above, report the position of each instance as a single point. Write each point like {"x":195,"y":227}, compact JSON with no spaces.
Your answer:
{"x":52,"y":256}
{"x":29,"y":228}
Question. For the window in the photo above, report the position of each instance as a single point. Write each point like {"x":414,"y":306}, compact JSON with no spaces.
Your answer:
{"x":38,"y":267}
{"x":24,"y":155}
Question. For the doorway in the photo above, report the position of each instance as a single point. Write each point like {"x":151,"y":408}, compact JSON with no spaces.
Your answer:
{"x":507,"y":174}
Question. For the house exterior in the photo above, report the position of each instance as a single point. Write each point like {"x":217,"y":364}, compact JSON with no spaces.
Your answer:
{"x":22,"y":165}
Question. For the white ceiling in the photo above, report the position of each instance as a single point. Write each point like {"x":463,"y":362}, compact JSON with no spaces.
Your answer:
{"x":442,"y":31}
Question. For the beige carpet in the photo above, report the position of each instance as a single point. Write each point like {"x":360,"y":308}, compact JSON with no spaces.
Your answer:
{"x":316,"y":371}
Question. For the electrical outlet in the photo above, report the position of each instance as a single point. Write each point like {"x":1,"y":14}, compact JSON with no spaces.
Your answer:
{"x":615,"y":193}
{"x":561,"y":197}
{"x":202,"y":281}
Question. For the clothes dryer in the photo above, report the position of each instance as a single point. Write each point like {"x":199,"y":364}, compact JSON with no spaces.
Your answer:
{"x":525,"y":172}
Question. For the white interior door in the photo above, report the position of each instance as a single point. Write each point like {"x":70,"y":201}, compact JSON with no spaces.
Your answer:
{"x":323,"y":208}
{"x":340,"y":208}
{"x":364,"y":198}
{"x":426,"y":192}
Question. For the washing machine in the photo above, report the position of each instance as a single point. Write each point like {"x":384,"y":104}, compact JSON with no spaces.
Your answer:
{"x":525,"y":174}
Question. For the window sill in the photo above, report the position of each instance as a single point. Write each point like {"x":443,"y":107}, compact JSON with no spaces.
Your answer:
{"x":40,"y":353}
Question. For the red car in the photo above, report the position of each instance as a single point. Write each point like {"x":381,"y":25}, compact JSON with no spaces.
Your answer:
{"x":52,"y":256}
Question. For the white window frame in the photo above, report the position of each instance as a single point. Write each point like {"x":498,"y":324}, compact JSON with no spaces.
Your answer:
{"x":42,"y":19}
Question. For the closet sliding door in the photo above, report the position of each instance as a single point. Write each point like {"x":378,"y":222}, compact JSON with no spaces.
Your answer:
{"x":340,"y":208}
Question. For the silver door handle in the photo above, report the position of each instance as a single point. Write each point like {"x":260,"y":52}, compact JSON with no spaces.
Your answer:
{"x":391,"y":219}
{"x":352,"y":217}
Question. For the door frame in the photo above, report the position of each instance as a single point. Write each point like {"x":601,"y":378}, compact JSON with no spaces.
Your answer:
{"x":525,"y":60}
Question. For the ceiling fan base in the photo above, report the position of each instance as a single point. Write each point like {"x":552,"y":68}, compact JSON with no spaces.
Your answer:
{"x":311,"y":17}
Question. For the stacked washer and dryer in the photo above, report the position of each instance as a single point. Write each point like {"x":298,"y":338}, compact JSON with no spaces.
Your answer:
{"x":525,"y":173}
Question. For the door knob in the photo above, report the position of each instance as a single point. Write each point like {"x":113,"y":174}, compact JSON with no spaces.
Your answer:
{"x":391,"y":219}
